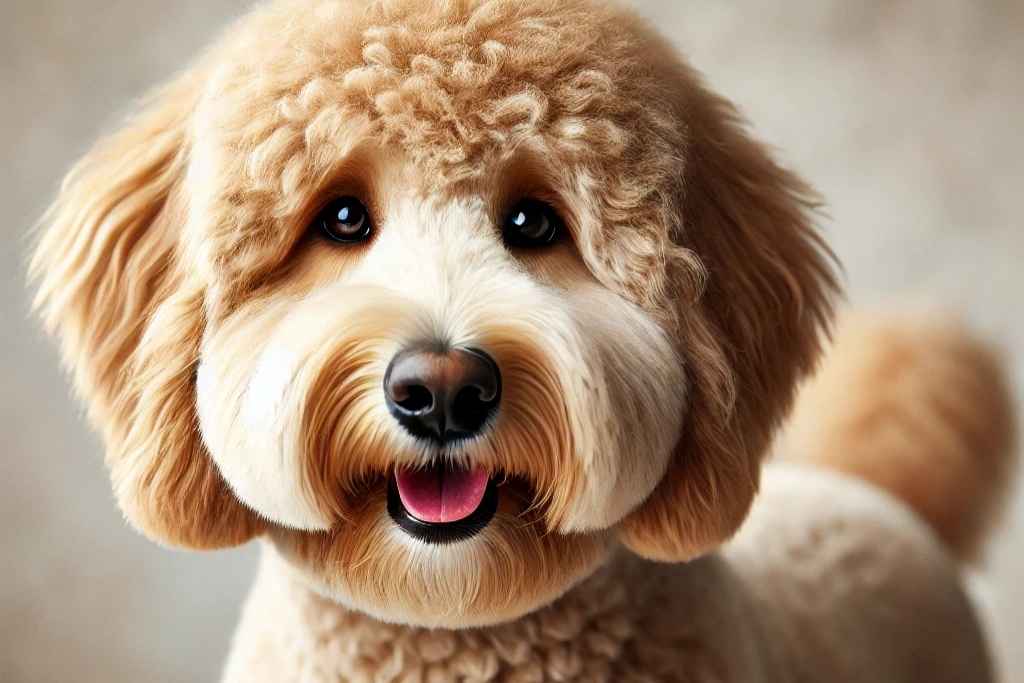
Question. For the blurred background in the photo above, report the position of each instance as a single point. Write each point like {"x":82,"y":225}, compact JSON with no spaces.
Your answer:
{"x":906,"y":114}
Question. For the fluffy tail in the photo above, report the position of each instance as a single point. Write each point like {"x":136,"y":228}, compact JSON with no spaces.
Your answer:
{"x":920,"y":408}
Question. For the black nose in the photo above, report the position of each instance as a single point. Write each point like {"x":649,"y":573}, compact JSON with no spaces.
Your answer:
{"x":442,"y":394}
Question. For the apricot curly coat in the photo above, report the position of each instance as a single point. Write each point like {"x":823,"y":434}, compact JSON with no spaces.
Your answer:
{"x":233,"y":362}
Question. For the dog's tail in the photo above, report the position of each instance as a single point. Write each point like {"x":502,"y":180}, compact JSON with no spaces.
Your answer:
{"x":920,"y":408}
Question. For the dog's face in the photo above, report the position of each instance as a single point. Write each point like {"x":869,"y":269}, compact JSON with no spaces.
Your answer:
{"x":431,"y":377}
{"x":443,"y":299}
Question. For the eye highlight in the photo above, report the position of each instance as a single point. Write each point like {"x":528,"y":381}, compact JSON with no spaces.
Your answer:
{"x":531,"y":223}
{"x":345,"y":220}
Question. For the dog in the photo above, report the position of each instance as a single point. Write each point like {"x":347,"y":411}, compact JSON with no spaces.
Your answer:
{"x":482,"y":316}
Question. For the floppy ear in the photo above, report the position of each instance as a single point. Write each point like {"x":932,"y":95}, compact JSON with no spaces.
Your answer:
{"x":129,"y":319}
{"x":753,"y":333}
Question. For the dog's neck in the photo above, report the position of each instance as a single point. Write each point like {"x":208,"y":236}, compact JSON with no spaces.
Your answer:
{"x":589,"y":634}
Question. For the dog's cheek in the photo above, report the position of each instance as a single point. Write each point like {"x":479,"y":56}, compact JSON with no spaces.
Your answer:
{"x":628,"y":398}
{"x":244,"y":407}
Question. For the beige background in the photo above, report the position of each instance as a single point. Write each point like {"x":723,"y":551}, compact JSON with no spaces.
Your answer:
{"x":905,"y":113}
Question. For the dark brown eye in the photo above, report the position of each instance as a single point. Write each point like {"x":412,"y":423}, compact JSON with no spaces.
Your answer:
{"x":345,"y":220}
{"x":531,"y":223}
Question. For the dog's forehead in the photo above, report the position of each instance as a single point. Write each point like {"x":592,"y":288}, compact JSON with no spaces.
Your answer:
{"x":458,"y":86}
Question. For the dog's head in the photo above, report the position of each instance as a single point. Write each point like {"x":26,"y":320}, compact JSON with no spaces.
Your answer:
{"x":444,"y":299}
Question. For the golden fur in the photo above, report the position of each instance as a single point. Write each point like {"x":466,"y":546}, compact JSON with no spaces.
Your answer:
{"x":233,"y":362}
{"x":920,"y":408}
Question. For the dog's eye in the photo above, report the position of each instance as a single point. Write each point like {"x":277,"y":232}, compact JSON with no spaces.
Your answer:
{"x":531,"y":223}
{"x":345,"y":220}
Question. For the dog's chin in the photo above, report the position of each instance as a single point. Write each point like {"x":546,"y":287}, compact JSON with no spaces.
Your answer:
{"x":443,"y":546}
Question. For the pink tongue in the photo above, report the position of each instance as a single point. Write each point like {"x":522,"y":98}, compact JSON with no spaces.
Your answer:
{"x":441,"y":495}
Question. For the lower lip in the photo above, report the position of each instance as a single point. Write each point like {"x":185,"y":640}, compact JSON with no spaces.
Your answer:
{"x":443,"y":533}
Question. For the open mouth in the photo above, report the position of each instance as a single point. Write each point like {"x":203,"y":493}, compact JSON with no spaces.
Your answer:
{"x":442,"y":503}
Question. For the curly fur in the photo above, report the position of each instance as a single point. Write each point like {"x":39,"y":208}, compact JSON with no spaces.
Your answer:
{"x":234,"y":362}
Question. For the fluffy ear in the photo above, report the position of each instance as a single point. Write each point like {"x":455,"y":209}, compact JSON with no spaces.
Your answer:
{"x":754,"y":332}
{"x":129,"y":320}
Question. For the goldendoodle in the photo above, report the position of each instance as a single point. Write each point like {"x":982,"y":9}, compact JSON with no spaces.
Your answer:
{"x":469,"y":310}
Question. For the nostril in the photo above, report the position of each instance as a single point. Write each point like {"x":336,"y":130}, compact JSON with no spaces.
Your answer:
{"x":471,"y":401}
{"x":414,"y":398}
{"x":483,"y":375}
{"x":477,"y":399}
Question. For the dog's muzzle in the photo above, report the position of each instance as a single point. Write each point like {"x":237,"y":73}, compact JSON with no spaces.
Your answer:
{"x":442,"y":395}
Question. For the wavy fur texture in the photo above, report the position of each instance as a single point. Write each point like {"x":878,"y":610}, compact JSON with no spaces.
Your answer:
{"x":234,"y":360}
{"x":921,"y":407}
